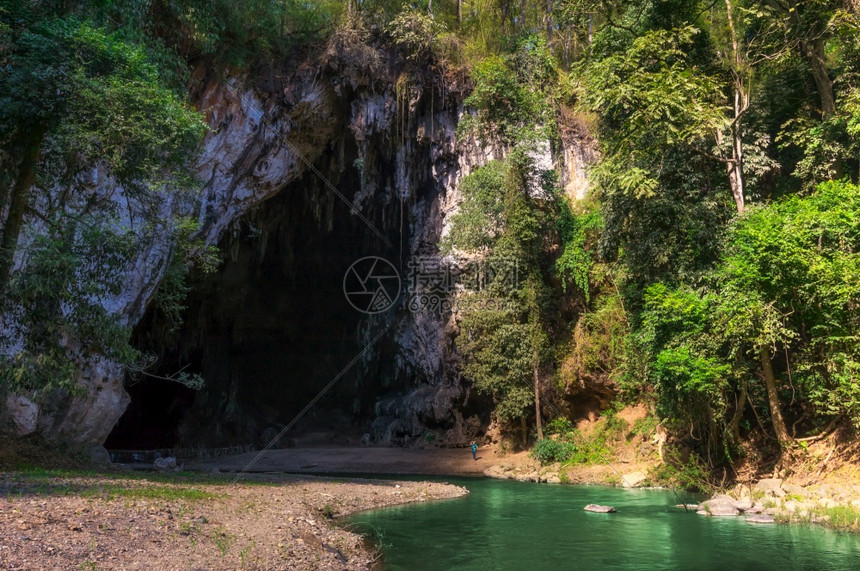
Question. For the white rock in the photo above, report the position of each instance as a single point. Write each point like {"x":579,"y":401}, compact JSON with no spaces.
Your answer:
{"x":23,"y":413}
{"x":633,"y":479}
{"x":599,"y":509}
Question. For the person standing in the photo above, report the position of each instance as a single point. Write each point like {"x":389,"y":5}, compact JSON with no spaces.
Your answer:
{"x":474,"y":451}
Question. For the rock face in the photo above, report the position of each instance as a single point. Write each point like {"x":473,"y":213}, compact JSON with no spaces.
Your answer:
{"x":272,"y":327}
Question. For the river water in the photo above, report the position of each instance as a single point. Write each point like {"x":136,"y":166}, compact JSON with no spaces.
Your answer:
{"x":505,"y":524}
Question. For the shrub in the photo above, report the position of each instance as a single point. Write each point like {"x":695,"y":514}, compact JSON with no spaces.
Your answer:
{"x":548,"y":451}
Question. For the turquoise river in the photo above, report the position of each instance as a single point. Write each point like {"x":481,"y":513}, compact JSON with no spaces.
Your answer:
{"x":513,"y":525}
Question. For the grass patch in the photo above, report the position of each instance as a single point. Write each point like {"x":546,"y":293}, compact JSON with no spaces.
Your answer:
{"x":167,"y":493}
{"x":845,"y":518}
{"x":111,"y":485}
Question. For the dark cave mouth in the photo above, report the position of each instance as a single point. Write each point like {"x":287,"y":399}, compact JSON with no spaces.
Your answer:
{"x":267,"y":331}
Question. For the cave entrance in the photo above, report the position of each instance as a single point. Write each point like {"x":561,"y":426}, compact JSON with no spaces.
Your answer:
{"x":267,"y":331}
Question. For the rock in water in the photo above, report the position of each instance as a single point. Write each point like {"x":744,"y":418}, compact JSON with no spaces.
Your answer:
{"x":599,"y":509}
{"x":719,"y":506}
{"x":760,"y":518}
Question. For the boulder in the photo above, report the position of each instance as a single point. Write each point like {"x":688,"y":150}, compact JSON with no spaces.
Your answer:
{"x":99,"y":455}
{"x":771,"y":486}
{"x":23,"y":414}
{"x":720,"y":505}
{"x":721,"y":510}
{"x":795,"y":490}
{"x":760,"y":518}
{"x":500,"y":471}
{"x":741,"y":491}
{"x":633,"y":479}
{"x":599,"y":509}
{"x":168,"y":463}
{"x":744,"y":504}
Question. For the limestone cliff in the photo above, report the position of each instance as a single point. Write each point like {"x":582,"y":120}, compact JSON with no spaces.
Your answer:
{"x":301,"y":175}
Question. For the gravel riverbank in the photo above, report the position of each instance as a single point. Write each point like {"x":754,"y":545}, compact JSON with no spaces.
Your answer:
{"x":114,"y":521}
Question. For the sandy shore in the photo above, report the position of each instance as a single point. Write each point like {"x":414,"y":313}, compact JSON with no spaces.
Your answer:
{"x":433,"y":461}
{"x":116,"y":521}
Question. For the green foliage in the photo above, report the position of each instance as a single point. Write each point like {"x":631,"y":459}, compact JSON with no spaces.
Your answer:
{"x":57,"y":303}
{"x":508,"y":211}
{"x":644,"y":426}
{"x":558,"y":426}
{"x":498,"y":359}
{"x":841,"y":517}
{"x":513,"y":95}
{"x":579,"y":237}
{"x":549,"y":450}
{"x":417,"y":33}
{"x":253,"y":33}
{"x":598,"y":348}
{"x":190,"y":252}
{"x":790,"y":278}
{"x":787,"y":284}
{"x":480,"y":220}
{"x":686,"y":363}
{"x":88,"y":98}
{"x":650,"y":99}
{"x":571,"y":447}
{"x":675,"y":472}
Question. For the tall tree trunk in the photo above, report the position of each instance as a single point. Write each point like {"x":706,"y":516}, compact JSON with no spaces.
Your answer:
{"x":740,"y":104}
{"x":538,"y":421}
{"x":524,"y":432}
{"x":773,"y":398}
{"x":736,"y":173}
{"x":567,"y":49}
{"x":4,"y":200}
{"x":523,"y":15}
{"x":814,"y":53}
{"x":549,"y":22}
{"x":460,"y":11}
{"x":735,"y":163}
{"x":506,"y":7}
{"x":18,"y":199}
{"x":735,"y":424}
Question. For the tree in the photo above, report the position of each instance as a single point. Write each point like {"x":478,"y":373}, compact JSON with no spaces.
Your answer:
{"x":75,"y":98}
{"x":88,"y":99}
{"x":789,"y":288}
{"x":506,"y":219}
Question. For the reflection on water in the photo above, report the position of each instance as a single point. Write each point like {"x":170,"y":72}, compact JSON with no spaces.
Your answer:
{"x":513,"y":525}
